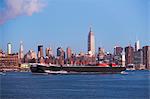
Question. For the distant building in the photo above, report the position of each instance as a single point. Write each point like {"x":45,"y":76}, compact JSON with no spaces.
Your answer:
{"x":9,"y":60}
{"x":138,"y":59}
{"x":21,"y":54}
{"x":69,"y":52}
{"x":40,"y":51}
{"x":9,"y":48}
{"x":30,"y":57}
{"x":118,"y":55}
{"x":101,"y":54}
{"x":123,"y":59}
{"x":61,"y":56}
{"x":108,"y":58}
{"x":49,"y":52}
{"x":60,"y":52}
{"x":118,"y":50}
{"x":1,"y":53}
{"x":91,"y":42}
{"x":146,"y":56}
{"x":137,"y":45}
{"x":129,"y":51}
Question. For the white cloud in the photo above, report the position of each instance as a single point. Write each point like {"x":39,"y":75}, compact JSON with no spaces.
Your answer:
{"x":14,"y":8}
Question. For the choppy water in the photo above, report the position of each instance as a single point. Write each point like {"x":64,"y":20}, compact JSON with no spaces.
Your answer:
{"x":134,"y":85}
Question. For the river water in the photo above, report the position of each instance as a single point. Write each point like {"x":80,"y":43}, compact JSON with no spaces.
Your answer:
{"x":25,"y":85}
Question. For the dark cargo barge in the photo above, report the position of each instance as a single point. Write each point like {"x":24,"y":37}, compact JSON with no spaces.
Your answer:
{"x":75,"y":69}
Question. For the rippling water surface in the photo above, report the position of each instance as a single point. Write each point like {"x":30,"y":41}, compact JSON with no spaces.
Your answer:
{"x":20,"y":85}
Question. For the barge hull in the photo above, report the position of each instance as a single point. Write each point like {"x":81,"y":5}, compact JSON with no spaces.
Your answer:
{"x":77,"y":69}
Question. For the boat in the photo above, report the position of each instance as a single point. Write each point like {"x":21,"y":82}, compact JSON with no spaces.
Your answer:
{"x":54,"y":69}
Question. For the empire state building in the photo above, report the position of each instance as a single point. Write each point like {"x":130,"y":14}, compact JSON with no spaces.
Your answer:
{"x":91,"y":42}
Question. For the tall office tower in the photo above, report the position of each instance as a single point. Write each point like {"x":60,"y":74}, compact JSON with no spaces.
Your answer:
{"x":137,"y":45}
{"x":91,"y":42}
{"x":146,"y":56}
{"x":21,"y":55}
{"x":40,"y":51}
{"x":69,"y":52}
{"x":138,"y":57}
{"x":118,"y":50}
{"x":9,"y":48}
{"x":129,"y":50}
{"x":49,"y":52}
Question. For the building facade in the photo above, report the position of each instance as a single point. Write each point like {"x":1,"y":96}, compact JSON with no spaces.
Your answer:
{"x":40,"y":51}
{"x":146,"y":56}
{"x":21,"y":54}
{"x":49,"y":52}
{"x":129,"y":51}
{"x":138,"y":59}
{"x":69,"y":52}
{"x":91,"y":42}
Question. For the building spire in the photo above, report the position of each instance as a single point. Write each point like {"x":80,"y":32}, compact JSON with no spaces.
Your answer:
{"x":90,"y":28}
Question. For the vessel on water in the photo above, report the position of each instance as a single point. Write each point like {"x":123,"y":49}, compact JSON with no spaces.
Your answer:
{"x":56,"y":69}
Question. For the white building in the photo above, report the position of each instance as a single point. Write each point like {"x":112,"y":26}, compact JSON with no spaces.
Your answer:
{"x":21,"y":54}
{"x":137,"y":45}
{"x":9,"y":48}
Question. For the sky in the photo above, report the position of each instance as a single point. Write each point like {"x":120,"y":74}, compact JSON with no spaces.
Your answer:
{"x":66,"y":23}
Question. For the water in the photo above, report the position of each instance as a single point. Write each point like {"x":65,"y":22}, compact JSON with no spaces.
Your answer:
{"x":17,"y":85}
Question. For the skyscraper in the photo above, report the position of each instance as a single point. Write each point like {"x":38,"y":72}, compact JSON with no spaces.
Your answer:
{"x":40,"y":51}
{"x":129,"y":51}
{"x":9,"y":48}
{"x":69,"y":52}
{"x":146,"y":56}
{"x":137,"y":45}
{"x":138,"y":59}
{"x":21,"y":55}
{"x":91,"y":42}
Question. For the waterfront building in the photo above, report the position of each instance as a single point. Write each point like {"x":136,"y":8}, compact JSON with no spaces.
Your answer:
{"x":9,"y":61}
{"x":137,"y":45}
{"x":21,"y":54}
{"x":40,"y":51}
{"x":9,"y":48}
{"x":129,"y":51}
{"x":91,"y":42}
{"x":146,"y":56}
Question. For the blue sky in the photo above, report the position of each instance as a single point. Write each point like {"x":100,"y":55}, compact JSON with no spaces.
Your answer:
{"x":66,"y":23}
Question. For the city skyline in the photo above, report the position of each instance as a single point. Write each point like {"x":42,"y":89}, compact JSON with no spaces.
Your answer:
{"x":57,"y":26}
